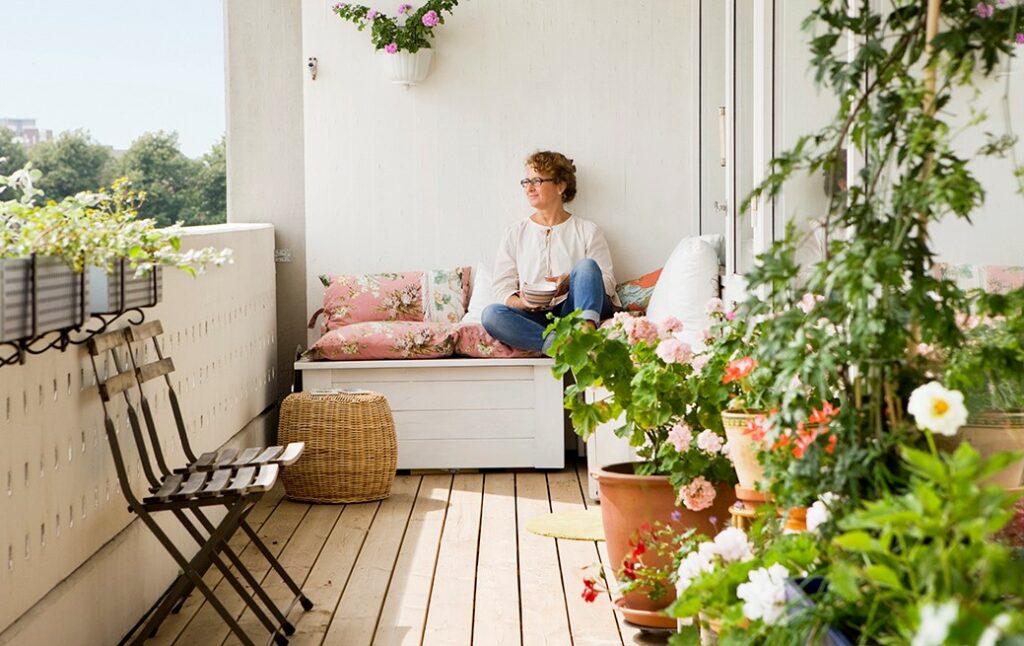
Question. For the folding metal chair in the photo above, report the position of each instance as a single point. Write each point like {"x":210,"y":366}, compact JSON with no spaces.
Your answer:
{"x":237,"y":488}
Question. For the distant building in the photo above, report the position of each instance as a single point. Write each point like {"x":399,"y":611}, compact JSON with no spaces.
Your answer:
{"x":26,"y":132}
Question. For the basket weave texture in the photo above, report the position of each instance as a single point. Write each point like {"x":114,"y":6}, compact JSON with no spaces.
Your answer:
{"x":351,"y":449}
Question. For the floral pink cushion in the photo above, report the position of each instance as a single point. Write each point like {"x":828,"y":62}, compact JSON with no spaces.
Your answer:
{"x":994,"y":279}
{"x":386,"y":340}
{"x":447,"y":294}
{"x":474,"y":341}
{"x":1000,"y":280}
{"x":372,"y":297}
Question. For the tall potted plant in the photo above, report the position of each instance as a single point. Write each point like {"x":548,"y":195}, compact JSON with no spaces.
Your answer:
{"x":684,"y":477}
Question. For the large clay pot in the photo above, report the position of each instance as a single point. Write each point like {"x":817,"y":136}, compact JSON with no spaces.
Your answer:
{"x":992,"y":432}
{"x":743,"y":449}
{"x":629,"y":501}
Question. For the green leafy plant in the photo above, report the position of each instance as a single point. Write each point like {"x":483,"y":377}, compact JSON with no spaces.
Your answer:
{"x":92,"y":229}
{"x":638,"y":370}
{"x":873,"y":297}
{"x":902,"y":558}
{"x":736,"y":587}
{"x":409,"y":30}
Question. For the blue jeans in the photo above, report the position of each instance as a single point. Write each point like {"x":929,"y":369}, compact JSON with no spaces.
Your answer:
{"x":525,"y":330}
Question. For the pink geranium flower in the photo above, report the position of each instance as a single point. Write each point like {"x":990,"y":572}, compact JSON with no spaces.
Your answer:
{"x":642,"y":330}
{"x":391,"y":48}
{"x":430,"y":19}
{"x":681,"y":436}
{"x":671,"y":325}
{"x":402,"y":8}
{"x":715,"y":305}
{"x":674,"y":351}
{"x":1020,"y":39}
{"x":698,"y":495}
{"x":372,"y":14}
{"x":984,"y":10}
{"x":709,"y":442}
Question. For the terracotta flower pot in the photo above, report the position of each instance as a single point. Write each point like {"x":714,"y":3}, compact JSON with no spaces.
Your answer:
{"x":796,"y":519}
{"x":629,"y":501}
{"x":743,"y":448}
{"x":991,"y":432}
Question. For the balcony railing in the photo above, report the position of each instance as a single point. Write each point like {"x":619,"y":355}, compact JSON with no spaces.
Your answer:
{"x":65,"y":532}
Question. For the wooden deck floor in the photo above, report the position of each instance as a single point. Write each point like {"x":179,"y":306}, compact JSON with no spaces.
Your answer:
{"x":445,"y":561}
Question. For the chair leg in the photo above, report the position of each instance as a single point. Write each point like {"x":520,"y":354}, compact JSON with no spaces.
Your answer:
{"x":307,"y":605}
{"x":283,"y":622}
{"x":219,"y":535}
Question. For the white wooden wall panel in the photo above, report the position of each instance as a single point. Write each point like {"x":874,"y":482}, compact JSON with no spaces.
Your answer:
{"x":427,"y":177}
{"x":59,"y":498}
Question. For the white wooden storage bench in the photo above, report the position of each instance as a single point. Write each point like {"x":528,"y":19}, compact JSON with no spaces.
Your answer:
{"x":461,"y":413}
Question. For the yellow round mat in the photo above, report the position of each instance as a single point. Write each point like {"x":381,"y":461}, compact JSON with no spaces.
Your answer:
{"x":577,"y":525}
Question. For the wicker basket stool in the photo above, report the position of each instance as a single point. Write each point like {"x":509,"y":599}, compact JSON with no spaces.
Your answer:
{"x":351,"y":449}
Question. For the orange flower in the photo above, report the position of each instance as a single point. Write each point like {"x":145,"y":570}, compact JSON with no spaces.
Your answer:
{"x":823,"y":416}
{"x":756,"y":428}
{"x":739,"y":369}
{"x":831,"y":444}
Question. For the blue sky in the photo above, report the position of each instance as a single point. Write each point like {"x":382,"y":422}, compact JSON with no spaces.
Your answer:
{"x":117,"y":68}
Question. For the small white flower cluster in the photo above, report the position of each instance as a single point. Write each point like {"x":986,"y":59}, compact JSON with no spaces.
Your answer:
{"x":820,"y":511}
{"x":764,"y":594}
{"x":729,"y":546}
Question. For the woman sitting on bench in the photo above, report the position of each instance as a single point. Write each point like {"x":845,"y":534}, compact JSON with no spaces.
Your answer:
{"x":552,"y":247}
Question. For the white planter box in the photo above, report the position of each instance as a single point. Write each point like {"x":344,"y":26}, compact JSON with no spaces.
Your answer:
{"x":57,"y":297}
{"x":105,"y":289}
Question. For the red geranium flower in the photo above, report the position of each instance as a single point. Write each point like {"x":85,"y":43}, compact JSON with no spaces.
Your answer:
{"x":739,"y":369}
{"x":589,"y":590}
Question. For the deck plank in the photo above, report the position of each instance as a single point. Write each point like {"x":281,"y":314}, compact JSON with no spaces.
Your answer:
{"x":297,"y":558}
{"x":544,"y":617}
{"x":405,"y":609}
{"x":330,"y":573}
{"x":450,"y":614}
{"x":355,"y":618}
{"x":629,"y":633}
{"x":496,"y":612}
{"x":591,"y":623}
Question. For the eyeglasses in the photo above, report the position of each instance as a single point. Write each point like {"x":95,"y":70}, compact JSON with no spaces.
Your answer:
{"x":535,"y":181}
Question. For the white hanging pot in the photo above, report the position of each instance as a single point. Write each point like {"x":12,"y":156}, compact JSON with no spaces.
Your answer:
{"x":410,"y":68}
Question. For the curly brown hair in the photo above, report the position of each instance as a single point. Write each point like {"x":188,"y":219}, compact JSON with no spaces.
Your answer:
{"x":559,"y":167}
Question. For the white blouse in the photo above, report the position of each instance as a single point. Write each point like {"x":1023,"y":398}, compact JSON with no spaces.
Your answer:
{"x":529,"y":252}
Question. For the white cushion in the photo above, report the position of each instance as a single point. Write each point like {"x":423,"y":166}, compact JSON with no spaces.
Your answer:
{"x":481,"y":296}
{"x":717,"y":241}
{"x":688,"y":281}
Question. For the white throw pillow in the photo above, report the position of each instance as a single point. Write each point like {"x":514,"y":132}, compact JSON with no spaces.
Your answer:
{"x":482,"y":294}
{"x":688,"y":281}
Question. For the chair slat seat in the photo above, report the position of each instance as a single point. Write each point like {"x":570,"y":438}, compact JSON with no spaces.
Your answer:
{"x":268,"y":455}
{"x":217,"y":483}
{"x":167,"y":488}
{"x":292,"y":452}
{"x":248,"y":455}
{"x":225,"y":458}
{"x":204,"y":463}
{"x":241,"y":480}
{"x":265,"y":478}
{"x":195,"y":482}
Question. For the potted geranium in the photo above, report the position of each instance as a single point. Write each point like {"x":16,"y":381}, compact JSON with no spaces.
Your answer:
{"x":684,"y":477}
{"x":405,"y":37}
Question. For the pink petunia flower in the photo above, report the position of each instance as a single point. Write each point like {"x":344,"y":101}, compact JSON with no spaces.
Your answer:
{"x":391,"y":48}
{"x":984,"y":10}
{"x":402,"y":8}
{"x":730,"y":315}
{"x":372,"y":14}
{"x":697,"y":495}
{"x":430,"y":19}
{"x":1020,"y":39}
{"x":681,"y":437}
{"x":715,"y":305}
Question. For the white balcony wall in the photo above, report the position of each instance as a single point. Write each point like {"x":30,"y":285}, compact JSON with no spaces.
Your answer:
{"x":404,"y":179}
{"x":75,"y":566}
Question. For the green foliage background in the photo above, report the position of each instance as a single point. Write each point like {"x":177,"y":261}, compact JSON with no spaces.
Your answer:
{"x":192,"y":191}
